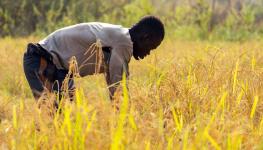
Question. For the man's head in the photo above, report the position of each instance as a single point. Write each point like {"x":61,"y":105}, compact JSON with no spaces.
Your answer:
{"x":146,"y":35}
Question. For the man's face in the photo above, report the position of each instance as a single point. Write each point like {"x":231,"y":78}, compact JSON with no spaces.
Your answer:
{"x":143,"y":47}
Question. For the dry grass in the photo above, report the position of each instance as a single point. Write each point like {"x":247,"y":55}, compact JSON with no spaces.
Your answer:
{"x":186,"y":95}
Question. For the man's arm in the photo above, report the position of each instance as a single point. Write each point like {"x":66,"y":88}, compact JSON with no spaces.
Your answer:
{"x":117,"y":65}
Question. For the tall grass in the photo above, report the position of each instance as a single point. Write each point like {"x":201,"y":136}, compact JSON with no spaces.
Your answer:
{"x":186,"y":95}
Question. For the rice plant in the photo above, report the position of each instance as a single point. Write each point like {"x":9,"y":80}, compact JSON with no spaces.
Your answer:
{"x":186,"y":95}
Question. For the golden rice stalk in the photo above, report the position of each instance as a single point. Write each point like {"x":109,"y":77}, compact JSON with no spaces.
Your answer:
{"x":253,"y":110}
{"x":235,"y":76}
{"x":178,"y":119}
{"x":253,"y":63}
{"x":212,"y":141}
{"x":14,"y":117}
{"x":239,"y":97}
{"x":94,"y":49}
{"x":118,"y":132}
{"x":185,"y":139}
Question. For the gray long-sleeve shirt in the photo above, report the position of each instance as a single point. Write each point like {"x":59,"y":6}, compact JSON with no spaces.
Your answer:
{"x":75,"y":41}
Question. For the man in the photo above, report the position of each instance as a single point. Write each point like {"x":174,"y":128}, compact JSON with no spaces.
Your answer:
{"x":46,"y":64}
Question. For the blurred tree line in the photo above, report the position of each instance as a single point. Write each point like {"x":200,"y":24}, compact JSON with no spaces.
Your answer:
{"x":203,"y":19}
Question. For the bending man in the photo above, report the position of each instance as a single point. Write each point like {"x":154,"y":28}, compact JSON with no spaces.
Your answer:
{"x":48,"y":61}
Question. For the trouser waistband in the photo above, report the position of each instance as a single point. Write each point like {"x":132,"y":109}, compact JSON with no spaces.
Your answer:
{"x":39,"y":50}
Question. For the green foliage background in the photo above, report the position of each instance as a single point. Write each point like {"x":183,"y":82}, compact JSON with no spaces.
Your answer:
{"x":192,"y":19}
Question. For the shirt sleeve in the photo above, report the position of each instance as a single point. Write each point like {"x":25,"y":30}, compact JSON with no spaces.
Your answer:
{"x":118,"y":64}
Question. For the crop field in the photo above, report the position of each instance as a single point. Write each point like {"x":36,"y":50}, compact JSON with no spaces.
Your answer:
{"x":185,"y":95}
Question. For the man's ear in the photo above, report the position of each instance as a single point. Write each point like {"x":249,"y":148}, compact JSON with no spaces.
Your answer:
{"x":146,"y":36}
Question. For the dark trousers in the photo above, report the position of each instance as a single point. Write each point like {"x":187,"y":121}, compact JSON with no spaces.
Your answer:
{"x":31,"y":63}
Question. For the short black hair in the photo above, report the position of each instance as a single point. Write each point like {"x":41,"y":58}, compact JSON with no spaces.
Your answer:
{"x":146,"y":35}
{"x":151,"y":25}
